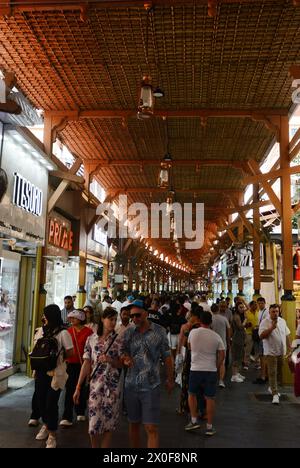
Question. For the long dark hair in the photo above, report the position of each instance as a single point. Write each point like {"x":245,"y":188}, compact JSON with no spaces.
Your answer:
{"x":108,"y":313}
{"x":53,"y":316}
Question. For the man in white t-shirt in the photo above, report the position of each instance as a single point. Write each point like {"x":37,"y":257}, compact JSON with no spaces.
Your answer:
{"x":274,"y":333}
{"x":207,"y":356}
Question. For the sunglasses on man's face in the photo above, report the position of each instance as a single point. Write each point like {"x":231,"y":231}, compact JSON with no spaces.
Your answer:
{"x":137,"y":315}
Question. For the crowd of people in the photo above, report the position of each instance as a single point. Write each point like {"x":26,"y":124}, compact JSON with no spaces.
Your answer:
{"x":110,"y":357}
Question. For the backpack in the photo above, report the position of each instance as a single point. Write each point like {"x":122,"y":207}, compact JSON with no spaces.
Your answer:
{"x":44,"y":354}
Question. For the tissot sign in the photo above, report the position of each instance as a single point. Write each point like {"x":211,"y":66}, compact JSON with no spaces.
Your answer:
{"x":23,"y":206}
{"x":60,"y":235}
{"x":27,"y":196}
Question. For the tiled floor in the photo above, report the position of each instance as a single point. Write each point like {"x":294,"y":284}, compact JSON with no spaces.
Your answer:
{"x":242,"y":420}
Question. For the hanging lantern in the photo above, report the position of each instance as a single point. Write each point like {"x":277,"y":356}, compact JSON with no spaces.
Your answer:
{"x":146,"y":100}
{"x":163,"y":178}
{"x":164,"y":173}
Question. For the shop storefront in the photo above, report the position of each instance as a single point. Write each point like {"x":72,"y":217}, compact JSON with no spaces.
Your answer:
{"x":62,"y":268}
{"x":23,"y":208}
{"x":239,"y":266}
{"x":67,"y":245}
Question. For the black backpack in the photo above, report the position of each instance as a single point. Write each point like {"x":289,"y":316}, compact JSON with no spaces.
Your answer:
{"x":44,"y":354}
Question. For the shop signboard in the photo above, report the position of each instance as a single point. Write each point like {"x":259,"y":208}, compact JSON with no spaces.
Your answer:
{"x":23,"y":207}
{"x":59,"y":236}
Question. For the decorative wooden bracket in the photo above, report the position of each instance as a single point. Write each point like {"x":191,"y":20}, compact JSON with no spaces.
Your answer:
{"x":63,"y":186}
{"x":55,"y":123}
{"x":245,"y":221}
{"x":271,"y":122}
{"x":96,"y":217}
{"x":266,"y":186}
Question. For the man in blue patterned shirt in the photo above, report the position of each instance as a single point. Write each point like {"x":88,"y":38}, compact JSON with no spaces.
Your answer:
{"x":144,"y":345}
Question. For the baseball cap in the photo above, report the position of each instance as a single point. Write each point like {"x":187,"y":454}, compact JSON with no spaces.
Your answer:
{"x":77,"y":314}
{"x":137,"y":303}
{"x":125,"y":305}
{"x":130,"y":298}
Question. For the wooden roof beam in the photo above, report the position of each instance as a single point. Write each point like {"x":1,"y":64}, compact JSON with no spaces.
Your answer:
{"x":156,"y":162}
{"x":255,"y":114}
{"x":125,"y":190}
{"x":11,"y":6}
{"x":259,"y":178}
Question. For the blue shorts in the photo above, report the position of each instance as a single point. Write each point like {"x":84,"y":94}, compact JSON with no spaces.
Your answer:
{"x":205,"y":382}
{"x":143,"y":407}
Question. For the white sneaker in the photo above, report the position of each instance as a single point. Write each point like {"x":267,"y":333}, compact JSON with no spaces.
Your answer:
{"x":275,"y":400}
{"x":43,"y":434}
{"x":221,"y":384}
{"x":33,"y":422}
{"x":65,"y":423}
{"x":81,"y":418}
{"x":51,"y":442}
{"x":237,"y":379}
{"x":241,"y":376}
{"x":271,"y":393}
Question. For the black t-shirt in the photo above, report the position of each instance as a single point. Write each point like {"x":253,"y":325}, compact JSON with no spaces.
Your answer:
{"x":176,"y":323}
{"x":154,"y":316}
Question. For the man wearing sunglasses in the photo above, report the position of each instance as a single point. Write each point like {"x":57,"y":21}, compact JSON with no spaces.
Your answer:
{"x":144,"y":345}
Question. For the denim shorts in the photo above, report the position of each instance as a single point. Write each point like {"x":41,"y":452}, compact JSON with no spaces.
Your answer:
{"x":205,"y":382}
{"x":143,"y":407}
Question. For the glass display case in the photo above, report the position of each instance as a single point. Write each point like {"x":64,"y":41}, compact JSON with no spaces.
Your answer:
{"x":61,"y":280}
{"x":9,"y":283}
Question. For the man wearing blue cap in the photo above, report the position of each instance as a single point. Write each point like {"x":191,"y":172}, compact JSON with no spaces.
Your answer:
{"x":144,"y":345}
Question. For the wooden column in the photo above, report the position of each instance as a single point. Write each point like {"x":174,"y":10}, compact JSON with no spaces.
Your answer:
{"x":105,"y":276}
{"x":256,"y":242}
{"x":286,"y":211}
{"x":288,"y":300}
{"x":81,"y":293}
{"x":240,"y":239}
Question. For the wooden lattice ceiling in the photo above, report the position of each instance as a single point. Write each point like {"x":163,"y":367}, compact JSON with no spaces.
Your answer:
{"x":237,"y":60}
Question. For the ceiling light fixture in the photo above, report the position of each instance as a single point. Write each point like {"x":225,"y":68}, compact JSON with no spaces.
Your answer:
{"x":147,"y":93}
{"x":164,"y":173}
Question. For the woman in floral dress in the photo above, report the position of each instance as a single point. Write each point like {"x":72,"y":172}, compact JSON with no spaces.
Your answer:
{"x":102,"y":362}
